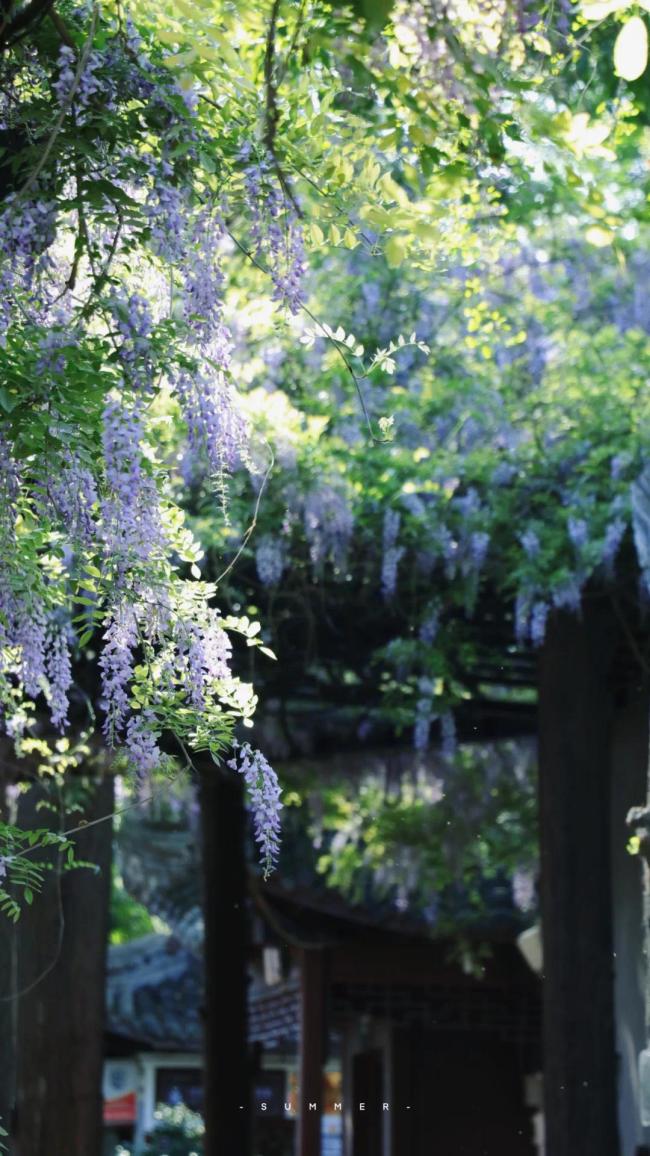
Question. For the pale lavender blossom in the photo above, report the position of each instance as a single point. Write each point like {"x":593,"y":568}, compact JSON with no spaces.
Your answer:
{"x":141,"y":746}
{"x":530,"y":543}
{"x":568,"y":596}
{"x":264,"y":794}
{"x":449,"y":550}
{"x":116,"y":665}
{"x":414,"y":504}
{"x":216,"y":426}
{"x":479,"y":542}
{"x":523,"y":606}
{"x":131,"y":520}
{"x":63,"y":85}
{"x":59,"y":674}
{"x":429,"y":626}
{"x":202,"y":275}
{"x":74,"y":498}
{"x":578,"y":532}
{"x":614,"y":535}
{"x":88,"y":84}
{"x":523,"y":889}
{"x":538,"y":620}
{"x":449,"y":741}
{"x":134,"y":326}
{"x":31,"y":638}
{"x":392,"y":553}
{"x":328,"y":524}
{"x":27,"y":230}
{"x":619,"y":464}
{"x":9,"y":487}
{"x":167,"y":210}
{"x":288,"y":270}
{"x":123,"y":431}
{"x":423,"y":715}
{"x":503,"y":473}
{"x":270,"y":559}
{"x":275,"y":230}
{"x":205,"y":652}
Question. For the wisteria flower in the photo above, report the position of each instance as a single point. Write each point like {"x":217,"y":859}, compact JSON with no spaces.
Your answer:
{"x":264,"y":793}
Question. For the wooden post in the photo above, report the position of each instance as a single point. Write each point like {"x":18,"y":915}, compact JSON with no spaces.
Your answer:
{"x":575,"y":714}
{"x":60,"y":1036}
{"x":8,"y":982}
{"x":312,"y":1051}
{"x":227,"y":1070}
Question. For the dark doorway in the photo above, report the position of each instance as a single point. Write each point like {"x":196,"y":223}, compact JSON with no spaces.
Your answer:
{"x":367,"y":1089}
{"x":468,"y":1096}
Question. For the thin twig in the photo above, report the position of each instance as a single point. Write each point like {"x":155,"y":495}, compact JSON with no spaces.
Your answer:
{"x":61,"y":28}
{"x":272,"y":110}
{"x":247,"y":536}
{"x":348,"y":366}
{"x":357,"y":384}
{"x":294,"y":40}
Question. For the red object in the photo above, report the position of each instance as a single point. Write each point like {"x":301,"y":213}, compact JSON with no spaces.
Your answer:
{"x":121,"y":1110}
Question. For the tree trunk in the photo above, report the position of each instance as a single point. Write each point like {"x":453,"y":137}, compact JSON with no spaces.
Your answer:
{"x":575,"y":716}
{"x":61,"y":982}
{"x":227,"y":1068}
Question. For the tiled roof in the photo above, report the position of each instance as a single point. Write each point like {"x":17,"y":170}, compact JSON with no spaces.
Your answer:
{"x":154,"y":993}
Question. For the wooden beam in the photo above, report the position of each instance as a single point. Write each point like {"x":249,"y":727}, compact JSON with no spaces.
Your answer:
{"x":227,"y":1078}
{"x":62,"y":941}
{"x":312,"y":1050}
{"x":575,"y":714}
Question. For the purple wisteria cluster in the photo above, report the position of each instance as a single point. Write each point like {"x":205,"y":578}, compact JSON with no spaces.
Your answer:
{"x":270,"y":559}
{"x":141,"y":745}
{"x":36,"y":656}
{"x":67,"y":88}
{"x":133,"y":323}
{"x":217,"y":428}
{"x":88,"y":518}
{"x":276,"y":230}
{"x":203,"y":285}
{"x":74,"y":500}
{"x":27,"y":232}
{"x":35,"y":653}
{"x":329,"y":524}
{"x":264,"y":793}
{"x":203,"y":653}
{"x":131,"y":518}
{"x":9,"y":488}
{"x":424,"y":715}
{"x":121,"y":636}
{"x":59,"y":674}
{"x":524,"y":891}
{"x":392,"y":553}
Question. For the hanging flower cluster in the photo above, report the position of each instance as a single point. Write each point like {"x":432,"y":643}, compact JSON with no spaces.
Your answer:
{"x":264,"y":793}
{"x":276,"y":231}
{"x":112,"y":282}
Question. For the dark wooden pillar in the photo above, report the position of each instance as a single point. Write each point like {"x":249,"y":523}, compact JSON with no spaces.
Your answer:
{"x":227,"y":1069}
{"x":61,"y":972}
{"x":575,"y":716}
{"x":312,"y":1050}
{"x":8,"y":1009}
